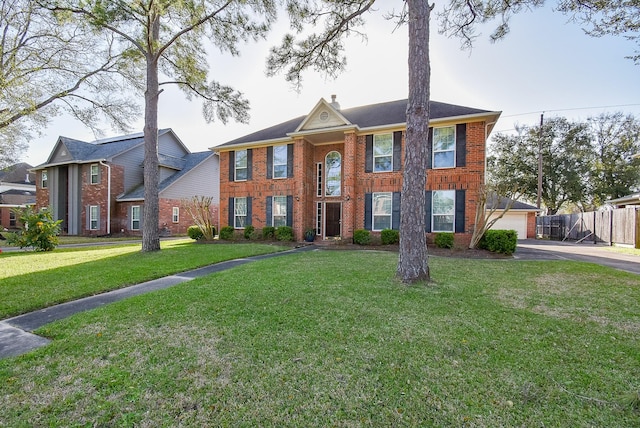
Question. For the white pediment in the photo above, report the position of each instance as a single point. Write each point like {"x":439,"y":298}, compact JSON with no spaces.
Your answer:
{"x":323,"y":116}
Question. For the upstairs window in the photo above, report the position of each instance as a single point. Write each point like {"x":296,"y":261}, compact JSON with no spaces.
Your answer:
{"x":280,"y":162}
{"x":444,"y":147}
{"x":45,"y":179}
{"x":241,"y":165}
{"x":95,"y":174}
{"x":333,"y":162}
{"x":383,"y":153}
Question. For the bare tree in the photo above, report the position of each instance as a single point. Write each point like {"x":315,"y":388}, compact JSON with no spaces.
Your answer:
{"x":49,"y":65}
{"x":200,"y":210}
{"x":163,"y":39}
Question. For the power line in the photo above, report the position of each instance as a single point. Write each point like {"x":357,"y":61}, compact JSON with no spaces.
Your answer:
{"x":570,"y":109}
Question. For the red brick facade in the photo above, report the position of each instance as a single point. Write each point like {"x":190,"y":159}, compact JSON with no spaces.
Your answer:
{"x":356,"y":183}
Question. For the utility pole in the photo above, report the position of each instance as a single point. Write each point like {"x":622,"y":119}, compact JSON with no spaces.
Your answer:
{"x":540,"y":161}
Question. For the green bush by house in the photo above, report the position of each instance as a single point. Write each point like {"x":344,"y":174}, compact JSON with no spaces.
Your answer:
{"x":362,"y":237}
{"x":444,"y":240}
{"x":389,"y":236}
{"x":499,"y":241}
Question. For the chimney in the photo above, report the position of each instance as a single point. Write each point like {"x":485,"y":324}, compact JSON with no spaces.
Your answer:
{"x":334,"y":103}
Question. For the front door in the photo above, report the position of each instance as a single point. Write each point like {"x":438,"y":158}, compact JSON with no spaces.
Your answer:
{"x":333,"y":217}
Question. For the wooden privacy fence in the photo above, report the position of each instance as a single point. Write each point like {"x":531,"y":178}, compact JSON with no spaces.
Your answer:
{"x":618,"y":226}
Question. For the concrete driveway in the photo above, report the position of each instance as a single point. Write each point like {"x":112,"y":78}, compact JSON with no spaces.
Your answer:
{"x":539,"y":249}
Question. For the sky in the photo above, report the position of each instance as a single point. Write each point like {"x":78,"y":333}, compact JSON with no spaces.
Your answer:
{"x":546,"y":64}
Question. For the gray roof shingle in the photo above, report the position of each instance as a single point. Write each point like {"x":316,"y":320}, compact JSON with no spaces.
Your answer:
{"x":387,"y":113}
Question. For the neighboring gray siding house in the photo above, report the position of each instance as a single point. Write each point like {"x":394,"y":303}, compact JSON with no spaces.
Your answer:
{"x":97,"y":188}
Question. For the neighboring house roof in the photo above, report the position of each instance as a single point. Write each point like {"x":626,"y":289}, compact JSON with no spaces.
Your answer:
{"x":503,"y":201}
{"x":18,"y":173}
{"x":363,"y":117}
{"x":15,"y":197}
{"x":190,"y":161}
{"x":104,"y":149}
{"x":632,"y":199}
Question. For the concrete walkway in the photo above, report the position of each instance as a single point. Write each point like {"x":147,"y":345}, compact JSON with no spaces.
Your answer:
{"x":16,"y":337}
{"x":539,"y":249}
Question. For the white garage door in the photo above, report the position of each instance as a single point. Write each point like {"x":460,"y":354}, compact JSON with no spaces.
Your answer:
{"x":513,"y":221}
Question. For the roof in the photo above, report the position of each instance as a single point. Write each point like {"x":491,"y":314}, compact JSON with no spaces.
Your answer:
{"x":502,"y":204}
{"x":632,"y":199}
{"x":17,"y":174}
{"x":82,"y":151}
{"x":368,"y":116}
{"x":189,"y":161}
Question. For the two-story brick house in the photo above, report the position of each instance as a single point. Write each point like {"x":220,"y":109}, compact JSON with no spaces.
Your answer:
{"x":337,"y":170}
{"x":97,"y":188}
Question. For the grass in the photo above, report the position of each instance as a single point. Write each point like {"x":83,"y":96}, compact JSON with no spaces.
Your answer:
{"x":31,"y":281}
{"x":332,"y":339}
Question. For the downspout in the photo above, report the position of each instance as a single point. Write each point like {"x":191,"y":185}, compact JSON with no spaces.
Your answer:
{"x":108,"y":196}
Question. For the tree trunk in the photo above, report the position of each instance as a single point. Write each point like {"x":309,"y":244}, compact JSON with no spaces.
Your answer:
{"x":150,"y":235}
{"x":413,"y":265}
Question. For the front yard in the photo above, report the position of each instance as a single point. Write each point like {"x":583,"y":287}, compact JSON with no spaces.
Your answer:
{"x":330,"y":338}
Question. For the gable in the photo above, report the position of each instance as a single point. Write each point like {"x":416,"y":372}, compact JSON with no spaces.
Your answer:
{"x":322,"y":116}
{"x":61,"y":152}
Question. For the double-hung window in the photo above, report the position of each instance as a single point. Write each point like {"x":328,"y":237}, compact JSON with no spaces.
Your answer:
{"x":443,"y":207}
{"x":45,"y":179}
{"x":280,"y":161}
{"x":382,"y":210}
{"x":94,"y":212}
{"x":240,"y":213}
{"x":383,"y":152}
{"x":444,"y":147}
{"x":175,"y":217}
{"x":135,"y":217}
{"x":279,"y":211}
{"x":95,"y":173}
{"x":241,"y":170}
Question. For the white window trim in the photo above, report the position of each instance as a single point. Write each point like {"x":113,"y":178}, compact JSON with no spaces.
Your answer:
{"x":44,"y":179}
{"x":175,"y":215}
{"x":273,"y":210}
{"x":382,"y":156}
{"x":453,"y":212}
{"x":93,"y":219}
{"x":433,"y":155}
{"x":273,"y":167}
{"x":373,"y":211}
{"x":138,"y":219}
{"x":319,"y":178}
{"x":235,"y":213}
{"x":96,"y":175}
{"x":235,"y":165}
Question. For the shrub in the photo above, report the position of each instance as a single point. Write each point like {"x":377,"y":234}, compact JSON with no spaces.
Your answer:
{"x":284,"y":233}
{"x":248,"y":231}
{"x":195,"y":232}
{"x":362,"y":237}
{"x":444,"y":240}
{"x":389,"y":236}
{"x":226,"y":233}
{"x":268,"y":232}
{"x":39,"y":230}
{"x":499,"y":241}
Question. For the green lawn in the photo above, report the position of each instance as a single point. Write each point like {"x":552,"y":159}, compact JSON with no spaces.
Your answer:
{"x":330,"y":338}
{"x":31,"y":281}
